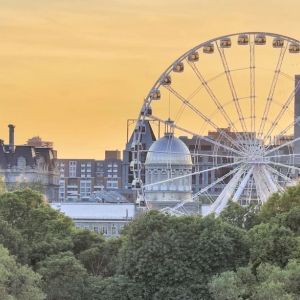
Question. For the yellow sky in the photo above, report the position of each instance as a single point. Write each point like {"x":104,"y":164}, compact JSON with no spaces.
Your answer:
{"x":73,"y":71}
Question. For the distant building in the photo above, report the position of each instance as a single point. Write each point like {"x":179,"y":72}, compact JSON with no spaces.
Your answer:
{"x":167,"y":157}
{"x":28,"y":165}
{"x":297,"y":124}
{"x":147,"y":139}
{"x":80,"y":178}
{"x":108,"y":219}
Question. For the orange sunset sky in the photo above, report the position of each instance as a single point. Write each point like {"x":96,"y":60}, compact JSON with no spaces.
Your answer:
{"x":73,"y":71}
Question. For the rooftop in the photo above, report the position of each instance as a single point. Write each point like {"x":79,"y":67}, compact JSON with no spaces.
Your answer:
{"x":96,"y":211}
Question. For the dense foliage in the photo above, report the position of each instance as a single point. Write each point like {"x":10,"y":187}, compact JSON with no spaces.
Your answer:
{"x":246,"y":253}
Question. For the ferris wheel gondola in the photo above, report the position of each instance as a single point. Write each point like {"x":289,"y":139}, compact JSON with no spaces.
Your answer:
{"x":242,"y":147}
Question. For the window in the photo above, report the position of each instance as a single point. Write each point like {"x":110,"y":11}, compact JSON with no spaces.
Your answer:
{"x":104,"y":229}
{"x":85,"y":188}
{"x":206,"y":147}
{"x":72,"y":168}
{"x":200,"y":178}
{"x":113,"y":229}
{"x":21,"y":162}
{"x":112,"y":184}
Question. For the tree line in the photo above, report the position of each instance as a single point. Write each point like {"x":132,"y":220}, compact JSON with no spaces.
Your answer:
{"x":245,"y":253}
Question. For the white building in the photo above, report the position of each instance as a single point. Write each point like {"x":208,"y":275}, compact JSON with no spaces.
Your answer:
{"x":108,"y":219}
{"x":168,"y":157}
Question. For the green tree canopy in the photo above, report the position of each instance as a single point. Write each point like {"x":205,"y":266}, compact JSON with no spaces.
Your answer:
{"x":43,"y":230}
{"x":101,"y":259}
{"x":272,"y":243}
{"x":18,"y":282}
{"x":269,"y":282}
{"x":280,"y":203}
{"x":84,"y":239}
{"x":240,"y":216}
{"x":114,"y":288}
{"x":162,"y":251}
{"x":64,"y":277}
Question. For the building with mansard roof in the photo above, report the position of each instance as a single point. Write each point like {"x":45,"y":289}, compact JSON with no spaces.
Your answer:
{"x":27,"y":165}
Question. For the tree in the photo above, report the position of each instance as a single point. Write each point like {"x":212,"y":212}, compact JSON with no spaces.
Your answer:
{"x":240,"y":216}
{"x":269,"y":282}
{"x":114,"y":288}
{"x":280,"y":203}
{"x":101,"y":259}
{"x":13,"y":241}
{"x":227,"y":286}
{"x":18,"y":282}
{"x":2,"y":185}
{"x":84,"y":239}
{"x":161,"y":251}
{"x":175,"y":293}
{"x":63,"y":276}
{"x":37,"y":186}
{"x":291,"y":219}
{"x":44,"y":230}
{"x":272,"y":243}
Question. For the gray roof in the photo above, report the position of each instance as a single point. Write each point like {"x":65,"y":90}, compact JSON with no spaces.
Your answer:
{"x":169,"y":150}
{"x":31,"y":154}
{"x":96,"y":211}
{"x":108,"y":197}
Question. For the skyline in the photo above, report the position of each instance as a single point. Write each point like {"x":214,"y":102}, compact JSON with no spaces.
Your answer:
{"x":73,"y":73}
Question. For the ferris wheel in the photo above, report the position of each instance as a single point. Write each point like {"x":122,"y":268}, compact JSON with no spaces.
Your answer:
{"x":235,"y":101}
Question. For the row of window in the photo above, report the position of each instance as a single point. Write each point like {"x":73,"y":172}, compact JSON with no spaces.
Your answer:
{"x":112,"y":229}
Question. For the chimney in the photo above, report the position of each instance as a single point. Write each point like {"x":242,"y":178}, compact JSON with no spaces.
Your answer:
{"x":11,"y":137}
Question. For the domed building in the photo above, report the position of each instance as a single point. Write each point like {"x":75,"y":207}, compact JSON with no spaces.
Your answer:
{"x":168,"y":157}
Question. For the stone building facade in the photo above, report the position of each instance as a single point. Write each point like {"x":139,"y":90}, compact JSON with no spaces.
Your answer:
{"x":25,"y":165}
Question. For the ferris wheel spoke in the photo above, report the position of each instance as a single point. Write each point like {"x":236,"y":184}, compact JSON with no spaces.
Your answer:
{"x":273,"y":170}
{"x":212,"y":95}
{"x":191,"y":174}
{"x":286,"y":129}
{"x":227,"y":193}
{"x":272,"y":89}
{"x":242,"y":185}
{"x":269,"y":180}
{"x":213,"y":155}
{"x":192,"y":154}
{"x":261,"y":188}
{"x":295,"y":122}
{"x":251,"y":190}
{"x":284,"y":155}
{"x":252,"y":86}
{"x":283,"y":145}
{"x":204,"y":117}
{"x":204,"y":190}
{"x":285,"y":106}
{"x":232,"y":88}
{"x":284,"y":165}
{"x":201,"y":137}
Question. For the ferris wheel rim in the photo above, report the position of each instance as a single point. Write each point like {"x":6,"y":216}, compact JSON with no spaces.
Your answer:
{"x":169,"y":69}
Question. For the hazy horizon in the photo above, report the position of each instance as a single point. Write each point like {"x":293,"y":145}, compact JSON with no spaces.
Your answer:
{"x":74,"y":71}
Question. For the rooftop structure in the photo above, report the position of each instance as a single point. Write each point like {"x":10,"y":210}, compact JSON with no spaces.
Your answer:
{"x":108,"y":219}
{"x":29,"y":166}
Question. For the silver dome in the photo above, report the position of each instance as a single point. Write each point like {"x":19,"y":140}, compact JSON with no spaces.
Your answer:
{"x":169,"y":150}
